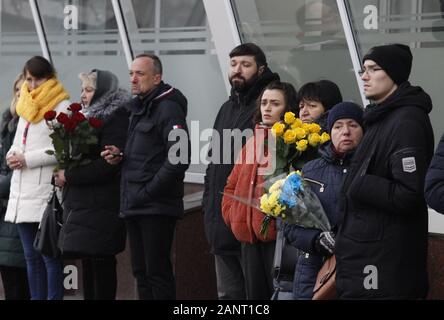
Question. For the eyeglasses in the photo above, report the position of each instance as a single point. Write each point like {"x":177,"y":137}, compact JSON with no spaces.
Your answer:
{"x":370,"y":71}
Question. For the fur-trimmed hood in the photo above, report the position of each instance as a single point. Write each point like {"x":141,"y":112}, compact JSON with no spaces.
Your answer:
{"x":107,"y":104}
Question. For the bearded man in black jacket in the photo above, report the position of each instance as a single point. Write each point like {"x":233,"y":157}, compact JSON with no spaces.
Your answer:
{"x":248,"y":76}
{"x":381,"y":246}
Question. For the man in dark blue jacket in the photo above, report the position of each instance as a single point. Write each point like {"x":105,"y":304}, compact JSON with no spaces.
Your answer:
{"x":152,"y":181}
{"x":248,"y":76}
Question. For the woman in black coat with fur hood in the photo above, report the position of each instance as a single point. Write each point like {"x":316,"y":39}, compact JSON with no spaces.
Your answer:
{"x":92,"y":229}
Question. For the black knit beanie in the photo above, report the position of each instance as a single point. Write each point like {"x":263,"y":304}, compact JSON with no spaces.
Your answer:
{"x":344,"y":110}
{"x":395,"y":59}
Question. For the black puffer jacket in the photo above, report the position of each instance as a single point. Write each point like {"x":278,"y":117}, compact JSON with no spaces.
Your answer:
{"x":385,"y":222}
{"x":151,"y":184}
{"x":11,"y":250}
{"x":236,"y":113}
{"x":92,"y":226}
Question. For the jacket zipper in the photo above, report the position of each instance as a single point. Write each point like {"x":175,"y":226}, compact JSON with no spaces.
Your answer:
{"x":321,"y":189}
{"x":18,"y":196}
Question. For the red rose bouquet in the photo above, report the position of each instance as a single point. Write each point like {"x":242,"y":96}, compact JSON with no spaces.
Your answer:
{"x":72,"y":136}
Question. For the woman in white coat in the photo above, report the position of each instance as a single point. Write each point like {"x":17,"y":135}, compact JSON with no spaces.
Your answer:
{"x":32,"y":172}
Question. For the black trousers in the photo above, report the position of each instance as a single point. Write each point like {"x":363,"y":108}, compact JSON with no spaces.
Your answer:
{"x":151,"y":238}
{"x":257,"y":263}
{"x":99,"y":278}
{"x":15,"y":283}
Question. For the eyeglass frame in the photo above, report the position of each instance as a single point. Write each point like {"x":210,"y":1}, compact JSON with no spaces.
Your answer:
{"x":370,"y":71}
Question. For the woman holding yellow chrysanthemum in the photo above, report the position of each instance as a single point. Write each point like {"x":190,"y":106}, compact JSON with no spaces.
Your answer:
{"x":245,"y":182}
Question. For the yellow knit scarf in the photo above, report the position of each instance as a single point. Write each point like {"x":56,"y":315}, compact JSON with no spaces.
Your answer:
{"x":33,"y":105}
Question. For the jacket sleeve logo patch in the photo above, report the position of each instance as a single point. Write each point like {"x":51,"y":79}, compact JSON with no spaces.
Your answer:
{"x":409,"y":164}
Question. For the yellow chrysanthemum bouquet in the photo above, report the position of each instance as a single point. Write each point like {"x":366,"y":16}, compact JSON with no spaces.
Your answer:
{"x":296,"y":143}
{"x":285,"y":193}
{"x":294,"y":139}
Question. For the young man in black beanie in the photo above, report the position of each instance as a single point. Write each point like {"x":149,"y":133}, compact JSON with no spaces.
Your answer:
{"x":381,"y":247}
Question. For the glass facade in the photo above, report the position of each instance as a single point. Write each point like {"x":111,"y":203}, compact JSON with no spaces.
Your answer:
{"x":177,"y":31}
{"x":420,"y":25}
{"x":303,"y":40}
{"x":18,"y":42}
{"x":95,"y":44}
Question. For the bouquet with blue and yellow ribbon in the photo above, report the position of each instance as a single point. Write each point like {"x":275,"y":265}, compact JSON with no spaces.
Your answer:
{"x":292,"y":200}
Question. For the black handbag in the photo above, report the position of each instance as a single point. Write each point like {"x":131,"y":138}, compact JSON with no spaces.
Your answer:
{"x":284,"y":264}
{"x":47,"y":235}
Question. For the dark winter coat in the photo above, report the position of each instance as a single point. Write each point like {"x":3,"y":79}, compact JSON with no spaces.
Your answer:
{"x":325,"y":176}
{"x":385,"y":222}
{"x":11,"y":250}
{"x":236,"y":113}
{"x":434,"y":182}
{"x":92,"y":226}
{"x":151,"y":184}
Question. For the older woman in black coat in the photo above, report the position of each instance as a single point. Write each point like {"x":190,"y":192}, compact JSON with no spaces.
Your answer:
{"x":92,"y":229}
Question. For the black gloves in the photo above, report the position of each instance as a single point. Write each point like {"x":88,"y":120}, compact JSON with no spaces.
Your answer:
{"x":325,"y":243}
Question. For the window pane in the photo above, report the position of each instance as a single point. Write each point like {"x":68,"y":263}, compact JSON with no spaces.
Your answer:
{"x":167,"y":27}
{"x":303,"y":40}
{"x":183,"y":13}
{"x":145,"y":10}
{"x":95,"y":45}
{"x":18,"y":42}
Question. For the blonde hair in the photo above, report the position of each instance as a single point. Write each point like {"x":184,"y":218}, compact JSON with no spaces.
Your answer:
{"x":18,"y":79}
{"x":89,"y":79}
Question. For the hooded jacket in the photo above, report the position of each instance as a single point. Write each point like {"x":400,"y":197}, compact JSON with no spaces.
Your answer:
{"x":92,"y":226}
{"x":384,"y":226}
{"x":151,"y":183}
